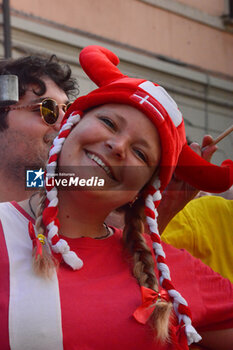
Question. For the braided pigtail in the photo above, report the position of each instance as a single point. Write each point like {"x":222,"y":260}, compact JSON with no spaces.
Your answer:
{"x":179,"y":303}
{"x":143,"y":268}
{"x":44,"y":262}
{"x":47,"y":222}
{"x":50,"y":212}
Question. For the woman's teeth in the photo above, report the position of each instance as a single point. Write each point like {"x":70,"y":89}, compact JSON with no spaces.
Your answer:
{"x":100,"y":163}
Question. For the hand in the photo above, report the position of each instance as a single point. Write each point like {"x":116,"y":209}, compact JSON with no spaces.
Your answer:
{"x":205,"y":151}
{"x":178,"y":193}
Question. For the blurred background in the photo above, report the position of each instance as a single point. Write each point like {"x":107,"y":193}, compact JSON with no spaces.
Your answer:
{"x":185,"y":45}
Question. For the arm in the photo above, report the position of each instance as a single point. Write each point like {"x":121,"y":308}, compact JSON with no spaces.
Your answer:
{"x":216,"y":340}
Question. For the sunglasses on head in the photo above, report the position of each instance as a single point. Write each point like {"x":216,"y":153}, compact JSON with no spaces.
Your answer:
{"x":49,"y":109}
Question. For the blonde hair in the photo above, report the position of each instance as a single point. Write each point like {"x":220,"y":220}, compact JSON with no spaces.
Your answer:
{"x":45,"y":264}
{"x":143,"y":266}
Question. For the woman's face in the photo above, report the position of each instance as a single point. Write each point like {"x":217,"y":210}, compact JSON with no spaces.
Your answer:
{"x":116,"y":143}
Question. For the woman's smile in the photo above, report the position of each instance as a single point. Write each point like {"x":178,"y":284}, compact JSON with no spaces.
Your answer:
{"x":101,"y":162}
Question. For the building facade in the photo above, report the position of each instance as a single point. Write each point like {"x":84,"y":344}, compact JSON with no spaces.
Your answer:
{"x":184,"y":45}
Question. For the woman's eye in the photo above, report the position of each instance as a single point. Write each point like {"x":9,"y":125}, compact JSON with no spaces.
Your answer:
{"x":108,"y":122}
{"x":141,"y":155}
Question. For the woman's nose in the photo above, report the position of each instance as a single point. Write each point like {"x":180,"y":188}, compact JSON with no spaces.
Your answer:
{"x":117,"y":147}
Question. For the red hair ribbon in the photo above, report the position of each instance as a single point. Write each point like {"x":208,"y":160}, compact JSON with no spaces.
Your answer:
{"x":178,"y":336}
{"x":149,"y":298}
{"x":35,"y":241}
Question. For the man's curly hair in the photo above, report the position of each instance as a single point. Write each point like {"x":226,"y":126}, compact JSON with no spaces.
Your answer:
{"x":31,"y":70}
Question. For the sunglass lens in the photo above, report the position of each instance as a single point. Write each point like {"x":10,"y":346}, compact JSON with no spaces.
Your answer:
{"x":50,"y":111}
{"x":66,"y":106}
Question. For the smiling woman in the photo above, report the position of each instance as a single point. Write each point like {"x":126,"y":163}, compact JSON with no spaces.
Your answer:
{"x":129,"y":132}
{"x":124,"y":150}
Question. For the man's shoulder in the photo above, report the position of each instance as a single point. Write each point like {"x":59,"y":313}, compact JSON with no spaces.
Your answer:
{"x":209,"y":203}
{"x":5,"y":207}
{"x":8,"y":211}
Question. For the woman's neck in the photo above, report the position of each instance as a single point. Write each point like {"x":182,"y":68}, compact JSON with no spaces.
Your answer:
{"x":78,"y":217}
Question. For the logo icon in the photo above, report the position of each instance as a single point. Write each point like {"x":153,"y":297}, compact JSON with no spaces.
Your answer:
{"x":34,"y":178}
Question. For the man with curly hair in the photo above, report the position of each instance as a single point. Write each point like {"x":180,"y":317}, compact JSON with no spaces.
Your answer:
{"x":28,"y":127}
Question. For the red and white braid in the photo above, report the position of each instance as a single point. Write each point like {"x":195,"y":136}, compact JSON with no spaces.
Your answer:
{"x":179,"y":303}
{"x":50,"y":220}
